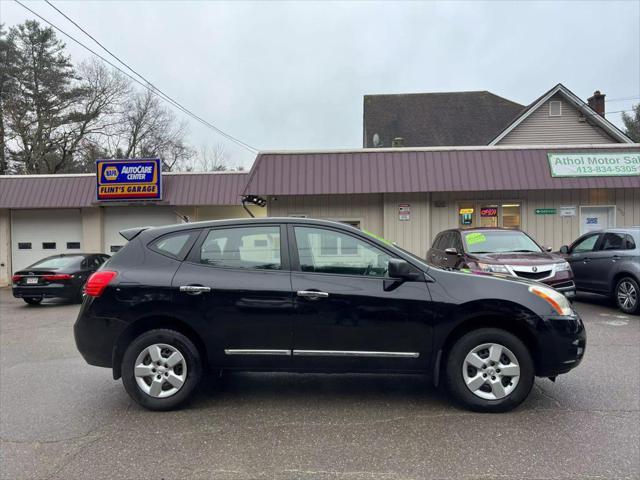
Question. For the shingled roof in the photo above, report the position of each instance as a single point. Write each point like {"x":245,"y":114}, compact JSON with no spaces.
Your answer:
{"x":437,"y":119}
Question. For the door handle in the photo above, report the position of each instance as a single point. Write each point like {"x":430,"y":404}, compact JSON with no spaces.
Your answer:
{"x":586,"y":260}
{"x":312,"y":294}
{"x":194,"y":289}
{"x":616,"y":257}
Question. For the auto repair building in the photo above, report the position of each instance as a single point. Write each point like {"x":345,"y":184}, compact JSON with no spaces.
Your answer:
{"x":555,"y":168}
{"x":42,"y":215}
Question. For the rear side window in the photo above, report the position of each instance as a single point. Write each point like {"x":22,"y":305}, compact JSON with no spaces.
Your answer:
{"x":173,"y":245}
{"x":617,"y":241}
{"x":256,"y":248}
{"x":629,"y":242}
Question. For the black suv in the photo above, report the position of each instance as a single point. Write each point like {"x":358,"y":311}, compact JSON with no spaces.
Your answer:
{"x":310,"y":295}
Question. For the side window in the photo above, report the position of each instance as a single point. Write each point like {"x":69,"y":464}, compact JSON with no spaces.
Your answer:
{"x":629,"y":243}
{"x":457,"y":242}
{"x":172,"y":245}
{"x":357,"y":258}
{"x":246,"y":248}
{"x":613,"y":241}
{"x":436,"y":242}
{"x":447,"y":241}
{"x":586,"y":244}
{"x":90,"y":262}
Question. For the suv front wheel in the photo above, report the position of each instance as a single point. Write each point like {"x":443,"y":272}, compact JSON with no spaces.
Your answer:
{"x":490,"y":370}
{"x":160,"y":369}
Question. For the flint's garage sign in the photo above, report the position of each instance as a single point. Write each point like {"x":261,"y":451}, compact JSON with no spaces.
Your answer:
{"x":135,"y":179}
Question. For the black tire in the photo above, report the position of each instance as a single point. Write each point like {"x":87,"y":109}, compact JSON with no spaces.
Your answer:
{"x":32,"y":300}
{"x":175,"y":340}
{"x":629,"y":283}
{"x":454,"y":370}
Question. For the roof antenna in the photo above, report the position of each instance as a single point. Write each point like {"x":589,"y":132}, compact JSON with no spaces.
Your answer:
{"x":183,"y":217}
{"x":254,"y":200}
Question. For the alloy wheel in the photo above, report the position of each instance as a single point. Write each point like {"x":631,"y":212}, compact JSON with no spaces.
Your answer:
{"x":627,"y":295}
{"x":160,"y":370}
{"x":491,"y":371}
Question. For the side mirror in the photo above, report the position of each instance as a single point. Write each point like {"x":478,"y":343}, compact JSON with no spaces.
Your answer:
{"x":547,"y":249}
{"x":401,"y":270}
{"x":564,"y":249}
{"x":451,"y":251}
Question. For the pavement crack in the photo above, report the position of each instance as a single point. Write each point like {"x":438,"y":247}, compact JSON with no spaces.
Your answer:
{"x":547,"y":395}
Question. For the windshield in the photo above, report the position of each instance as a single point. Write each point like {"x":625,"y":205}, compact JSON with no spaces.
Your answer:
{"x":56,"y":262}
{"x":497,"y":241}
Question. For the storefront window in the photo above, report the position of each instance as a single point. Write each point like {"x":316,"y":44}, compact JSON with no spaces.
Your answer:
{"x":489,"y":215}
{"x":474,"y":214}
{"x":511,"y":215}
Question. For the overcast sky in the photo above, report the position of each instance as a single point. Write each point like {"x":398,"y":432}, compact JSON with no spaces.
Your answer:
{"x":292,"y":75}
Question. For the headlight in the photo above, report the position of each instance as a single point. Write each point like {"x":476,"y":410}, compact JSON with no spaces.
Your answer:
{"x":492,"y":268}
{"x":563,"y":267}
{"x":557,"y":301}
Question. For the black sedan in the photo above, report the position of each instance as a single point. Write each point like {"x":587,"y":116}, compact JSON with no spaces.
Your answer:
{"x":285,"y":294}
{"x":59,"y":276}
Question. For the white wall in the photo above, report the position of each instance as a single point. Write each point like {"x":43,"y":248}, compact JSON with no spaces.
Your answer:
{"x":366,"y":209}
{"x":5,"y":247}
{"x":541,"y":128}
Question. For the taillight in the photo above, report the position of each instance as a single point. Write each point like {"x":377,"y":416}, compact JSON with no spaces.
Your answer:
{"x":16,"y":278}
{"x":56,"y":277}
{"x":98,"y":282}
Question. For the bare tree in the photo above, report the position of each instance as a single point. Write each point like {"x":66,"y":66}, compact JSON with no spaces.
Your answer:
{"x":53,"y":107}
{"x":148,"y":129}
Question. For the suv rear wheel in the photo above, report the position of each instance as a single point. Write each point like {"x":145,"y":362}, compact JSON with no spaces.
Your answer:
{"x":160,"y":369}
{"x":627,"y":295}
{"x":490,"y":370}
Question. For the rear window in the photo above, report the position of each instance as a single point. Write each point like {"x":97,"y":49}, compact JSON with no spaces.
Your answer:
{"x":173,"y":245}
{"x":496,"y":241}
{"x":57,"y":262}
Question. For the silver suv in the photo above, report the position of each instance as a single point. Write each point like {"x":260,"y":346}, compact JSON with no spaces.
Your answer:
{"x":608,"y":262}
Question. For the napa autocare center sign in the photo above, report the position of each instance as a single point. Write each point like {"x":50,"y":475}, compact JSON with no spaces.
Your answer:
{"x":594,"y":164}
{"x":132,"y":179}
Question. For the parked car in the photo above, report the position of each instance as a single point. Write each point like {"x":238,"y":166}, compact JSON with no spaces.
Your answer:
{"x":608,"y":262}
{"x":59,"y":276}
{"x":501,"y":250}
{"x":314,"y":296}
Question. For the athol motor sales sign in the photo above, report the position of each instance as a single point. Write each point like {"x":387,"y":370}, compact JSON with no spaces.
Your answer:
{"x":594,"y":164}
{"x":134,"y":179}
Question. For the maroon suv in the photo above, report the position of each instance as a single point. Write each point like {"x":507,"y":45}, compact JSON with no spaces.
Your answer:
{"x":501,"y":250}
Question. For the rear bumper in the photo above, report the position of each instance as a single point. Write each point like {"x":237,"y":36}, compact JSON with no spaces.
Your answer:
{"x":55,"y":290}
{"x":96,"y":336}
{"x":561,"y":347}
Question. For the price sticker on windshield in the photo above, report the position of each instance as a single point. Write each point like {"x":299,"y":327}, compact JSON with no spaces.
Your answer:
{"x":476,"y":237}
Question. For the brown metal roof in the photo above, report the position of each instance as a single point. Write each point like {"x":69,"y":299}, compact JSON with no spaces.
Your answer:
{"x":75,"y":191}
{"x":421,"y":170}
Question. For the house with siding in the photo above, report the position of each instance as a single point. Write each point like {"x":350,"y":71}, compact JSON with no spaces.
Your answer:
{"x":557,"y":117}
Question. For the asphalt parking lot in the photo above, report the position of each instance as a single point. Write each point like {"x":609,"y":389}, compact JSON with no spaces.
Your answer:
{"x":63,"y":419}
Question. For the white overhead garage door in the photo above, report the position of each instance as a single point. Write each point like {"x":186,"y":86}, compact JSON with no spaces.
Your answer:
{"x":121,"y":218}
{"x":36,"y":234}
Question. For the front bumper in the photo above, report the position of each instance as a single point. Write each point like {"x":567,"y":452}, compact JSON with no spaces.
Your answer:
{"x":566,"y":288}
{"x":561,"y":345}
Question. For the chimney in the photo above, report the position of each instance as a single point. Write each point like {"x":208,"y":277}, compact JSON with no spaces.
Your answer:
{"x":397,"y":142}
{"x":596,"y":102}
